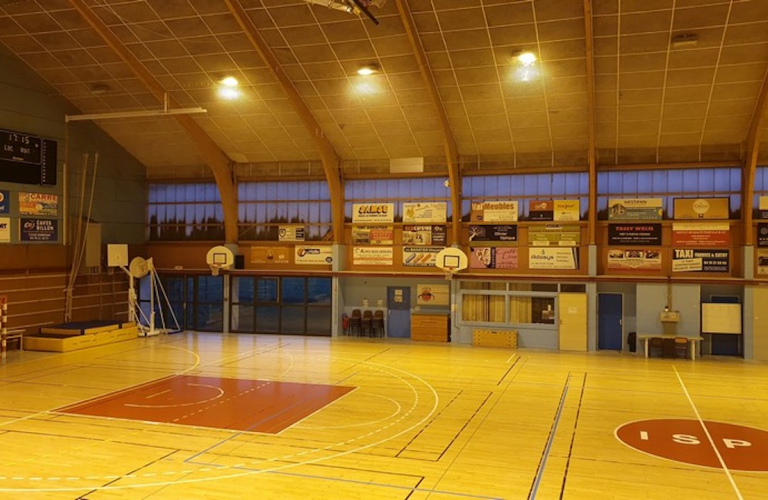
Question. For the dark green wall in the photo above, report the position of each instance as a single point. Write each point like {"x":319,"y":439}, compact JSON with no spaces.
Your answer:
{"x":28,"y":104}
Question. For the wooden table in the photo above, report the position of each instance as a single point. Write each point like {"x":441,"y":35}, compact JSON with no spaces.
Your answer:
{"x":692,"y":341}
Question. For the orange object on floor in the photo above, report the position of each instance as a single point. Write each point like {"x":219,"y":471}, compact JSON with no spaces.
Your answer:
{"x":222,"y":403}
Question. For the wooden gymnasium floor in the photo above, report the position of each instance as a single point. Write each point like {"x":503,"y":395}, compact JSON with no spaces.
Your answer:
{"x":420,"y":421}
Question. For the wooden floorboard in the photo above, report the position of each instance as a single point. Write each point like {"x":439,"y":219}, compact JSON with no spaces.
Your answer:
{"x":426,"y":421}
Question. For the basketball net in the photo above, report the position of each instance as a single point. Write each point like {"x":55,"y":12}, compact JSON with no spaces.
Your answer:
{"x":215,"y":268}
{"x":449,"y":272}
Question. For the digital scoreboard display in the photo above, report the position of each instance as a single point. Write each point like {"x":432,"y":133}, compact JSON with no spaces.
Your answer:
{"x":27,"y":159}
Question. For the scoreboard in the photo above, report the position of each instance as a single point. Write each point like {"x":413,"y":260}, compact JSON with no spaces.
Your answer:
{"x":27,"y":159}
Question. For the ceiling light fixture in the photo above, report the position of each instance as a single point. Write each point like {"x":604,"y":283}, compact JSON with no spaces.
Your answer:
{"x":685,"y":40}
{"x":229,"y":93}
{"x":229,"y":81}
{"x":368,"y":70}
{"x":527,"y":58}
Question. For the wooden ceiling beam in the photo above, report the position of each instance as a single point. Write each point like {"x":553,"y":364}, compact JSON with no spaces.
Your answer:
{"x":590,"y":57}
{"x":750,"y":166}
{"x":449,"y":143}
{"x":330,"y":159}
{"x":215,"y":158}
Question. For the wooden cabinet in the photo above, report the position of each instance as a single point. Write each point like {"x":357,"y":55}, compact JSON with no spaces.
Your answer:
{"x":429,"y":327}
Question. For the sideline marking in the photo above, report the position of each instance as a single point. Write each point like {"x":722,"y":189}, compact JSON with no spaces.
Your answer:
{"x":709,"y":436}
{"x":550,"y":440}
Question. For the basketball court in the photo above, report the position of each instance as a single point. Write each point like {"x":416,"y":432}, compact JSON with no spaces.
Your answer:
{"x":245,"y":416}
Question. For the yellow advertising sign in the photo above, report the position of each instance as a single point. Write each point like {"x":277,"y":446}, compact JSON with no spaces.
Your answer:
{"x":701,"y":208}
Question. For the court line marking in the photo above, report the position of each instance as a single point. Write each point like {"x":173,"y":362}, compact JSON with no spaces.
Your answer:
{"x":179,"y":405}
{"x":709,"y":436}
{"x":550,"y":440}
{"x":157,"y":394}
{"x":209,"y":467}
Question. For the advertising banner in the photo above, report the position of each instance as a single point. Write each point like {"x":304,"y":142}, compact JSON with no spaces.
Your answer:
{"x":5,"y":229}
{"x":541,"y":210}
{"x":5,"y":202}
{"x":372,"y":256}
{"x":499,"y":233}
{"x":373,"y":235}
{"x":425,"y":213}
{"x":271,"y":255}
{"x":433,"y":295}
{"x":636,"y":259}
{"x":554,"y":235}
{"x":553,"y":258}
{"x":38,"y":230}
{"x":494,"y":211}
{"x":493,"y":258}
{"x":424,"y":235}
{"x":762,"y":234}
{"x":313,"y":255}
{"x":693,"y":234}
{"x":701,"y":208}
{"x":762,"y":262}
{"x":291,"y":233}
{"x":634,"y":234}
{"x":373,"y":212}
{"x":40,"y":204}
{"x":420,"y":256}
{"x":700,"y":260}
{"x":762,"y":212}
{"x":635,"y":209}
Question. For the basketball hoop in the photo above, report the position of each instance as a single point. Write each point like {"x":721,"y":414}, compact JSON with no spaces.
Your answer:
{"x":215,"y":268}
{"x":451,"y":260}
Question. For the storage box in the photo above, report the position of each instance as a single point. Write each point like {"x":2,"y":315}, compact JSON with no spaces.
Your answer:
{"x":57,"y":343}
{"x":483,"y":337}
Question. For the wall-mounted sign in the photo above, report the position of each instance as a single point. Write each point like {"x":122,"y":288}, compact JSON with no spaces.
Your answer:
{"x":420,"y":256}
{"x":41,"y":204}
{"x":763,"y":208}
{"x":545,"y":235}
{"x":271,"y":255}
{"x":634,"y":234}
{"x":424,"y":235}
{"x":700,"y":260}
{"x":291,"y":233}
{"x":494,"y":211}
{"x":553,"y":258}
{"x":696,"y":234}
{"x":5,"y":229}
{"x":636,"y":259}
{"x":554,"y":210}
{"x":493,"y":233}
{"x":373,"y":212}
{"x":433,"y":295}
{"x":493,"y":258}
{"x":373,"y":235}
{"x":635,"y":209}
{"x":372,"y":256}
{"x":316,"y":255}
{"x":425,"y":213}
{"x":762,"y":234}
{"x":38,"y":230}
{"x":762,"y":262}
{"x":5,"y":202}
{"x":701,"y":208}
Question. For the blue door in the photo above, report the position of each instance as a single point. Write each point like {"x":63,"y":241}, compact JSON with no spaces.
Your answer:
{"x":399,"y":311}
{"x":610,"y":310}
